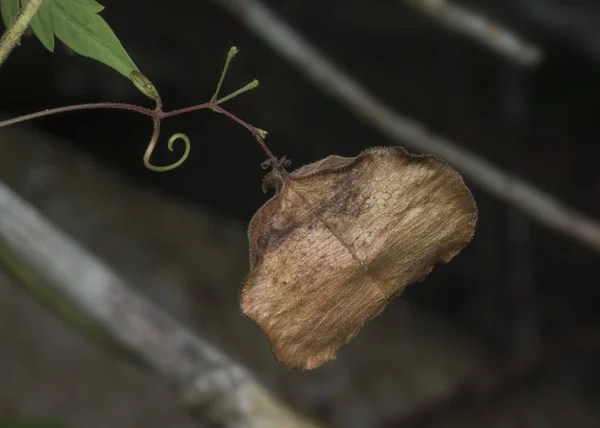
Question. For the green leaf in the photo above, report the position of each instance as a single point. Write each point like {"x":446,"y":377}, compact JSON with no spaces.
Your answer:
{"x":77,"y":24}
{"x":10,"y":10}
{"x":41,"y":24}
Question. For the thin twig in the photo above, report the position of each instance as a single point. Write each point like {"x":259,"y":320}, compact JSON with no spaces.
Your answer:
{"x":78,"y":107}
{"x":12,"y":36}
{"x":481,"y":29}
{"x":290,"y":45}
{"x":216,"y":387}
{"x":157,"y":116}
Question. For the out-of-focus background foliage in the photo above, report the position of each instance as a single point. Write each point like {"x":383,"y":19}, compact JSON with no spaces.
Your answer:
{"x":506,"y":335}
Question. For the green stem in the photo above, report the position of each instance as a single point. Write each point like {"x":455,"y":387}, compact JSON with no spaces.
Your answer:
{"x":248,"y":87}
{"x":232,"y":52}
{"x":12,"y":36}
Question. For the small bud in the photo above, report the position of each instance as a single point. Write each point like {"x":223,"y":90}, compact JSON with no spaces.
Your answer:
{"x":262,"y":133}
{"x":144,"y":85}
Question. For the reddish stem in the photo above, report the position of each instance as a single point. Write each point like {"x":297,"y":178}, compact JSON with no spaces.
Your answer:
{"x":157,"y":115}
{"x":89,"y":106}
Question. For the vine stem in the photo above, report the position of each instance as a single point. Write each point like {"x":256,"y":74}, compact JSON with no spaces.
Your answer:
{"x":157,"y":116}
{"x":12,"y":36}
{"x":213,"y":106}
{"x":76,"y":107}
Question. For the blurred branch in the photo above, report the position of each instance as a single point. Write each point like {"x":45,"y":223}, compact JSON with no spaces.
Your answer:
{"x":320,"y":69}
{"x":210,"y":383}
{"x":481,"y":29}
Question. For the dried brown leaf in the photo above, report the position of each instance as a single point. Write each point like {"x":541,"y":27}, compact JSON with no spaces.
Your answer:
{"x":341,"y":238}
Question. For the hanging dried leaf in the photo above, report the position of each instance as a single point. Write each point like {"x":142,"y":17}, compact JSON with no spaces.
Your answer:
{"x":341,"y":238}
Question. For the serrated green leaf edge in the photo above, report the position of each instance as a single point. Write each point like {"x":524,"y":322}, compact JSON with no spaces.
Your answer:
{"x":101,"y":43}
{"x":77,"y":24}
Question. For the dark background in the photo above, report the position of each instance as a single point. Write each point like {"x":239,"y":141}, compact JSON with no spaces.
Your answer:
{"x":527,"y":295}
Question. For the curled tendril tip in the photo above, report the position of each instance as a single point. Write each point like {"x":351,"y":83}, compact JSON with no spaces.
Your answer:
{"x":170,"y":145}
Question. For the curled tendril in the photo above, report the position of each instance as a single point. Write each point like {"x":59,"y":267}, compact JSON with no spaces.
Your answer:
{"x":152,"y":145}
